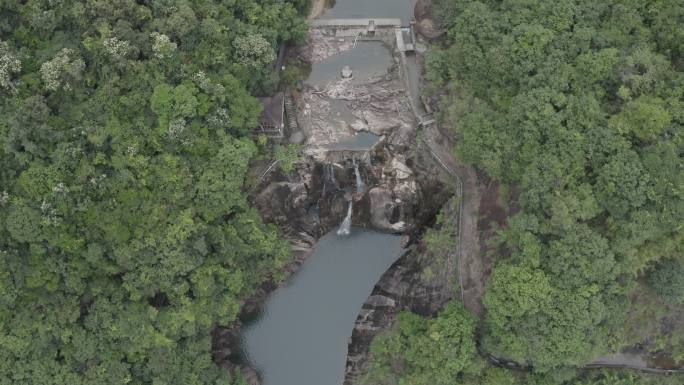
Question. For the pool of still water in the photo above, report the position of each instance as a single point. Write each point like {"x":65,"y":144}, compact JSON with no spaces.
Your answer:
{"x":301,"y":335}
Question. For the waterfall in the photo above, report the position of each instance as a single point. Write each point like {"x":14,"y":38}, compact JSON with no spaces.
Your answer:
{"x":329,"y":182}
{"x":345,"y":227}
{"x":314,"y":212}
{"x":331,"y":174}
{"x":360,"y":186}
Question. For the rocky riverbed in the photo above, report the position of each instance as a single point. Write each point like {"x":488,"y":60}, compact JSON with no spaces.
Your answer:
{"x":369,"y":99}
{"x":314,"y":198}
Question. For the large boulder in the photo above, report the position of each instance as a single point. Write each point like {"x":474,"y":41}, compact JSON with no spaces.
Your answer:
{"x":285,"y":204}
{"x":250,"y":375}
{"x":401,"y":170}
{"x":382,"y":210}
{"x":425,"y":25}
{"x":346,"y":72}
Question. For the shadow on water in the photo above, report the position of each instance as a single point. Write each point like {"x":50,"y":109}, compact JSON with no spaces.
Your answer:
{"x":301,"y":334}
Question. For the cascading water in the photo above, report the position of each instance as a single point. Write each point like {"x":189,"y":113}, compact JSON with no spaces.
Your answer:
{"x":331,"y":174}
{"x":345,"y":227}
{"x":360,"y":186}
{"x":329,"y":179}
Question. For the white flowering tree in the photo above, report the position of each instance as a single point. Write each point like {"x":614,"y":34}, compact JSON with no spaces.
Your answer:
{"x":253,"y":50}
{"x":117,"y":49}
{"x":9,"y":65}
{"x":63,"y":71}
{"x":162,"y":46}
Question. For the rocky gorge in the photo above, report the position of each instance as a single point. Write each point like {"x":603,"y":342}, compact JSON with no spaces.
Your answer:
{"x":313,"y":198}
{"x":389,"y":183}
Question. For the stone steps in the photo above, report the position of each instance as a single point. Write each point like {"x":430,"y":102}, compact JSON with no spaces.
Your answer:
{"x":291,"y":113}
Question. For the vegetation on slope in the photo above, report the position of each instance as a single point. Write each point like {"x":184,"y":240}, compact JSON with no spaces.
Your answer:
{"x":124,"y":233}
{"x":580,"y":105}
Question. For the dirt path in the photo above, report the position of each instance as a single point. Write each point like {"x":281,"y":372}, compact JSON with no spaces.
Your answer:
{"x":317,"y":8}
{"x":471,"y":267}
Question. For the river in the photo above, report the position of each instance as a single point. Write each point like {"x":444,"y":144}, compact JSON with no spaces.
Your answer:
{"x":301,"y":334}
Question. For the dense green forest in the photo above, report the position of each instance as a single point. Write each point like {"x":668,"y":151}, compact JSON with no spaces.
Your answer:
{"x":124,"y":232}
{"x":442,"y":350}
{"x":579,"y":105}
{"x":125,"y":235}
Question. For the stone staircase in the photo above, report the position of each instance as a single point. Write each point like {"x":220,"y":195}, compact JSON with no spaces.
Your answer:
{"x":291,"y":113}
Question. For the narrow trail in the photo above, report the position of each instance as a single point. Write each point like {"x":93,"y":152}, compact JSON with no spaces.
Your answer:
{"x":263,"y":175}
{"x":634,"y":367}
{"x":471,"y":269}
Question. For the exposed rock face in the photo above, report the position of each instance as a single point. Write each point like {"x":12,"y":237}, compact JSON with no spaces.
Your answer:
{"x":250,"y":375}
{"x":426,"y":25}
{"x":415,"y":283}
{"x":402,"y":172}
{"x":379,"y":106}
{"x":319,"y":48}
{"x":335,"y":112}
{"x":289,"y":201}
{"x":382,"y":207}
{"x":359,"y":125}
{"x":332,"y":116}
{"x":403,"y":195}
{"x":285,"y":204}
{"x":398,"y":197}
{"x":313,"y":201}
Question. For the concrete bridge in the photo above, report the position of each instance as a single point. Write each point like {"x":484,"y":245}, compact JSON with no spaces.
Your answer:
{"x":404,"y":35}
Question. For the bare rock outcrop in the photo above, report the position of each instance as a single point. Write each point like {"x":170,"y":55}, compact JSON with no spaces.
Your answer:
{"x":407,"y":285}
{"x":417,"y":281}
{"x":426,"y":25}
{"x":382,"y":207}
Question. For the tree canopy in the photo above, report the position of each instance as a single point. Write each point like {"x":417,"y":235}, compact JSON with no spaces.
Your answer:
{"x":124,"y":232}
{"x":579,"y":105}
{"x":436,"y":351}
